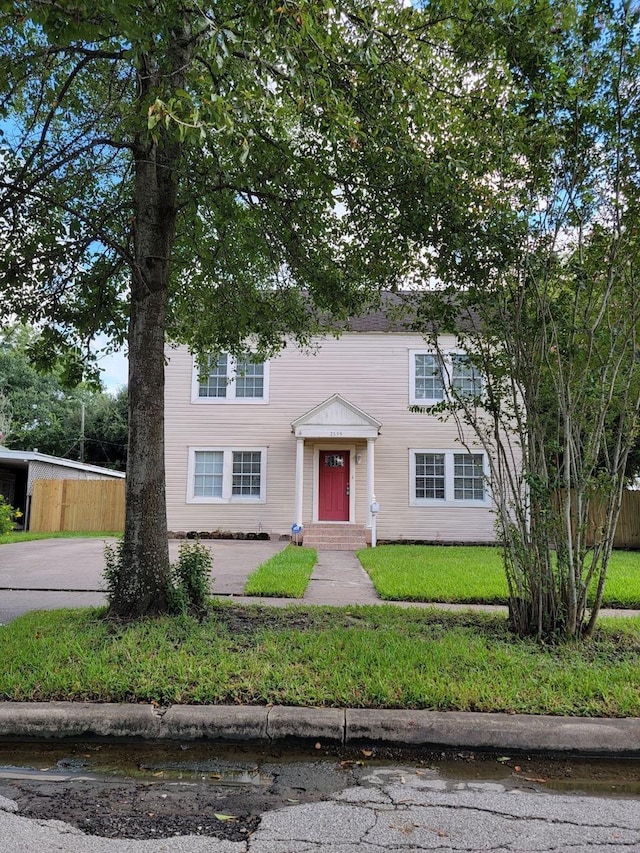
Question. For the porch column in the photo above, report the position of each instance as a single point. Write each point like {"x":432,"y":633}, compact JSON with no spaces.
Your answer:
{"x":299,"y":479}
{"x":370,"y":479}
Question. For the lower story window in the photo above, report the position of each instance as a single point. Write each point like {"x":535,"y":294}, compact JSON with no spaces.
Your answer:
{"x":447,"y":477}
{"x":209,"y":466}
{"x":246,"y":473}
{"x":430,"y":475}
{"x":468,"y":477}
{"x":226,"y":474}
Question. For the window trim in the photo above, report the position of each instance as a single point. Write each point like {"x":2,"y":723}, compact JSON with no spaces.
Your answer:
{"x":449,"y":478}
{"x":230,"y":397}
{"x":447,"y":362}
{"x":227,"y":476}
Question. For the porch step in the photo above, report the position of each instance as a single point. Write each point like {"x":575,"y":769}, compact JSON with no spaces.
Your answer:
{"x":335,"y":537}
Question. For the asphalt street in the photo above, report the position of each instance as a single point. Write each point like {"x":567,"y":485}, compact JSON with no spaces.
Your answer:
{"x":396,"y":812}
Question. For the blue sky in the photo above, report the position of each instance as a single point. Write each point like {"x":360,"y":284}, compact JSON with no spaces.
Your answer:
{"x":113,"y":370}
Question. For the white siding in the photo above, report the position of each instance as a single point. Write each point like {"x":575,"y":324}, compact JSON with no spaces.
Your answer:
{"x":370,"y":370}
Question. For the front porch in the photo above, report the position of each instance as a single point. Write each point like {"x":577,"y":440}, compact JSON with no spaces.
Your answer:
{"x":336,"y":537}
{"x":341,"y":437}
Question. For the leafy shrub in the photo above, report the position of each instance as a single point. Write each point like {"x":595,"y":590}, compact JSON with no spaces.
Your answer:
{"x":8,"y":516}
{"x":191,"y":575}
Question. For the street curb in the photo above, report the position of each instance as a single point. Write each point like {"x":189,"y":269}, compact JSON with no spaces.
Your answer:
{"x":335,"y":726}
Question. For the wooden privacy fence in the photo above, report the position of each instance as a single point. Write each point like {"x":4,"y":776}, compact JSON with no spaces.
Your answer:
{"x":628,"y":529}
{"x":627,"y":533}
{"x":77,"y":505}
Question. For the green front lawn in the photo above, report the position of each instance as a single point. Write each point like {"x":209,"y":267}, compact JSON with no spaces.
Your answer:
{"x":370,"y":657}
{"x":285,"y":575}
{"x":473,"y":574}
{"x":623,"y":580}
{"x":21,"y":536}
{"x":436,"y":573}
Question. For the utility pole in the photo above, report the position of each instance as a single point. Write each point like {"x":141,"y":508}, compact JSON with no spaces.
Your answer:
{"x":82,"y":432}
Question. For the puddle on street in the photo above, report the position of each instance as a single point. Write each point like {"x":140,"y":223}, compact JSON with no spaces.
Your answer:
{"x":326,"y":770}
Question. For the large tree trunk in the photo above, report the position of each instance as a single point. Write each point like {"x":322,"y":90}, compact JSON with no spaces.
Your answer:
{"x":144,"y":582}
{"x":143,"y":585}
{"x":145,"y":576}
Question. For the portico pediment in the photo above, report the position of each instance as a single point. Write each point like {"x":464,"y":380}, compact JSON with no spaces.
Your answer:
{"x":336,"y":418}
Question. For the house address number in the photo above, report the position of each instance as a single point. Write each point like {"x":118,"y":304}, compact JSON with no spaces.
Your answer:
{"x":335,"y":434}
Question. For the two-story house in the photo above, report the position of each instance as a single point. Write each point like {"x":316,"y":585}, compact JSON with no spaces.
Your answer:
{"x":313,"y":438}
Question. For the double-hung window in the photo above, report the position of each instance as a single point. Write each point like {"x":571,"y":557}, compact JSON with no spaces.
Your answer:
{"x":226,"y":475}
{"x":466,"y":380}
{"x":435,"y":377}
{"x":429,"y":377}
{"x":213,"y":379}
{"x":429,"y":476}
{"x":208,"y":468}
{"x":225,"y":379}
{"x":447,"y":477}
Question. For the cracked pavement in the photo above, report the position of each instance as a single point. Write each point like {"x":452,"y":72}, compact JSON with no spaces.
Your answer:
{"x":393,"y":812}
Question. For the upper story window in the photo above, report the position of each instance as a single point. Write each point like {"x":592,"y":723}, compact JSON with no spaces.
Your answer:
{"x":214,"y":377}
{"x":223,"y":378}
{"x":466,"y":380}
{"x":432,"y":375}
{"x":429,"y":377}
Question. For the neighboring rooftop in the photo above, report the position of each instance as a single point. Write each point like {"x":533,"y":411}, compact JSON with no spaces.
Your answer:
{"x":18,"y":457}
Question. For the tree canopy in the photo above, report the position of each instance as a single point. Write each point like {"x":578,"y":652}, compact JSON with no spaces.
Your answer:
{"x":555,"y":330}
{"x":221,"y":174}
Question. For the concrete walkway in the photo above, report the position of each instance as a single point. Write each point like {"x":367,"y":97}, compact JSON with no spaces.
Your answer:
{"x":338,"y":578}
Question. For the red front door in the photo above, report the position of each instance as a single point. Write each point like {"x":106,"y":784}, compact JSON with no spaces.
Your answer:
{"x":333,"y":498}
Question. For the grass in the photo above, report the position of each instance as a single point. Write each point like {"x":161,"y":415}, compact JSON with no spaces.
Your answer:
{"x":436,"y":573}
{"x":22,"y":536}
{"x":466,"y":574}
{"x":286,"y":574}
{"x":623,"y":580}
{"x":366,"y":657}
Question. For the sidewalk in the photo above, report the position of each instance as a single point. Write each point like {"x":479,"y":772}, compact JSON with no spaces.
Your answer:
{"x":54,"y":573}
{"x":339,"y":580}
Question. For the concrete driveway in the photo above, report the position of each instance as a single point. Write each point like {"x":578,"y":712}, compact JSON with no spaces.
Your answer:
{"x":48,"y":574}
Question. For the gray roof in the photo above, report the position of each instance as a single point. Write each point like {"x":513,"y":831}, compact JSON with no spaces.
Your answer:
{"x":396,"y":313}
{"x":26,"y":456}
